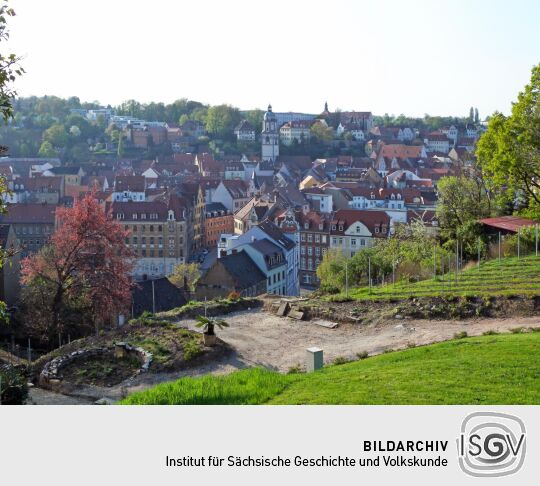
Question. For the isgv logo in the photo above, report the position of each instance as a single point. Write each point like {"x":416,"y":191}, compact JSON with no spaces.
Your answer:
{"x":491,"y":444}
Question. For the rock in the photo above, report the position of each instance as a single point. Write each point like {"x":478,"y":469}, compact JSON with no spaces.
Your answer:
{"x":399,"y":326}
{"x":283,"y":309}
{"x":298,"y":315}
{"x":104,"y":401}
{"x":398,"y":316}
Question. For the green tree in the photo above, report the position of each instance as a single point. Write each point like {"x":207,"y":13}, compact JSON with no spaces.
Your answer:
{"x":185,"y":273}
{"x":221,"y":120}
{"x":9,"y":66}
{"x":461,"y":200}
{"x":47,"y":150}
{"x":322,"y":132}
{"x":56,"y":135}
{"x":509,"y":151}
{"x":120,"y":150}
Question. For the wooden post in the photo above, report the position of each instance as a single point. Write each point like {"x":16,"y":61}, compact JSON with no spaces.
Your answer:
{"x":346,"y":279}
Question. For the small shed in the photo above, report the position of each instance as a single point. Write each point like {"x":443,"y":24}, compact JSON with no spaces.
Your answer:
{"x":506,"y":225}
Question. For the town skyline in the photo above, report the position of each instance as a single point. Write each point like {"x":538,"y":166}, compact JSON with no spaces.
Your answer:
{"x":472,"y":56}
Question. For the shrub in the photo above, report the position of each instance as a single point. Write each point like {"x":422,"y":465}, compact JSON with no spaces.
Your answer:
{"x":14,"y":386}
{"x":362,"y":354}
{"x":339,"y":360}
{"x":517,"y":330}
{"x":233,"y":296}
{"x":460,"y":335}
{"x":294,"y":370}
{"x":491,"y":332}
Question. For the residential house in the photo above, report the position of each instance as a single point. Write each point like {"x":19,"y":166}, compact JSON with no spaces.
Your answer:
{"x":232,"y":194}
{"x":270,"y":260}
{"x":129,"y":188}
{"x":33,"y":224}
{"x":299,"y":130}
{"x":270,"y":231}
{"x":232,"y":273}
{"x":352,"y":230}
{"x":72,"y":175}
{"x":437,"y":142}
{"x":158,"y":234}
{"x":245,"y":132}
{"x":218,"y":220}
{"x":320,"y":200}
{"x":314,"y":243}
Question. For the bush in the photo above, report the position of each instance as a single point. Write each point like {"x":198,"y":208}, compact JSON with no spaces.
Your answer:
{"x":460,"y":335}
{"x":294,"y":370}
{"x":14,"y":386}
{"x":339,"y":360}
{"x":517,"y":330}
{"x":362,"y":354}
{"x":491,"y":332}
{"x":233,"y":296}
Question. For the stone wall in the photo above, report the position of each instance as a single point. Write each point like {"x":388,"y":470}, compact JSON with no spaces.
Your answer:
{"x":51,"y":374}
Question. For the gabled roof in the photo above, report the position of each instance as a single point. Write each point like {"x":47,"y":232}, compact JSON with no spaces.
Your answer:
{"x":371,"y":219}
{"x":276,"y":234}
{"x":242,"y":270}
{"x":272,"y":254}
{"x":29,"y":213}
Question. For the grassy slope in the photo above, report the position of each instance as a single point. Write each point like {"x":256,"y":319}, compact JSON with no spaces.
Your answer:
{"x":509,"y":276}
{"x":500,"y":369}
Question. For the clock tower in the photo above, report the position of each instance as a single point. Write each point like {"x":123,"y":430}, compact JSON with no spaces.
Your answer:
{"x":270,"y":137}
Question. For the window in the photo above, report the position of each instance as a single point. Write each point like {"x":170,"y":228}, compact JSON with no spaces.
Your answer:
{"x":362,"y":242}
{"x":310,"y":251}
{"x":340,"y":227}
{"x":143,"y":215}
{"x":353,"y":242}
{"x":317,"y":251}
{"x":323,"y":239}
{"x":376,"y":229}
{"x":134,"y":216}
{"x":310,"y":238}
{"x":302,"y":250}
{"x":317,"y":238}
{"x":303,"y":237}
{"x":334,"y":241}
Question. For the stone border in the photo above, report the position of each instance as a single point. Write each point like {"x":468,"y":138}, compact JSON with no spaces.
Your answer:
{"x":51,"y":378}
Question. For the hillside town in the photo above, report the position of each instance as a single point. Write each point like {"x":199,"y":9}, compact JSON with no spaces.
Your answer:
{"x":255,"y":223}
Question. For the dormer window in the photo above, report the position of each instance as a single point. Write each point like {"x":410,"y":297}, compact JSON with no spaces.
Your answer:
{"x":340,"y":227}
{"x":306,"y":225}
{"x":134,"y":216}
{"x":321,"y":226}
{"x":376,"y":229}
{"x":143,"y":215}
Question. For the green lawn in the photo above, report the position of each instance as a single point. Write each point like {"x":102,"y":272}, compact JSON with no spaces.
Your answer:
{"x":510,"y":276}
{"x":495,"y":369}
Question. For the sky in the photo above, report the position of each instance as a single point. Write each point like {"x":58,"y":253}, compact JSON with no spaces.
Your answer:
{"x":384,"y":56}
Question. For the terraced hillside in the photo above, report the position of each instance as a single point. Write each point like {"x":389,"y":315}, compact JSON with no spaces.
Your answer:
{"x":509,"y":276}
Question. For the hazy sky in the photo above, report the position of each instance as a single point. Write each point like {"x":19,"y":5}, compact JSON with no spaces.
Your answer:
{"x":385,"y":56}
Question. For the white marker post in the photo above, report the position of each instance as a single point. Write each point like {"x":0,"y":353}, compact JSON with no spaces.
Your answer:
{"x":314,"y":359}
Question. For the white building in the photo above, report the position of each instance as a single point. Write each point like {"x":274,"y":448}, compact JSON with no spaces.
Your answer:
{"x":299,"y":130}
{"x":269,"y":231}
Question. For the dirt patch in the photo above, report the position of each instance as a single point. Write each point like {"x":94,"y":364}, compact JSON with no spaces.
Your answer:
{"x":263,"y":339}
{"x":101,"y":370}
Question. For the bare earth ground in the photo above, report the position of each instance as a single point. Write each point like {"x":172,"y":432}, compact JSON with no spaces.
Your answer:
{"x":263,"y":339}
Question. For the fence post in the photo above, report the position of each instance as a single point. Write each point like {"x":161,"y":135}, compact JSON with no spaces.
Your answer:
{"x":536,"y":238}
{"x":519,"y":243}
{"x":478,"y":253}
{"x":499,"y":247}
{"x":346,"y":279}
{"x":369,"y":273}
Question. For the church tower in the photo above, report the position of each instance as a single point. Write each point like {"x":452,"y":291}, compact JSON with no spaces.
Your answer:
{"x":270,"y":137}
